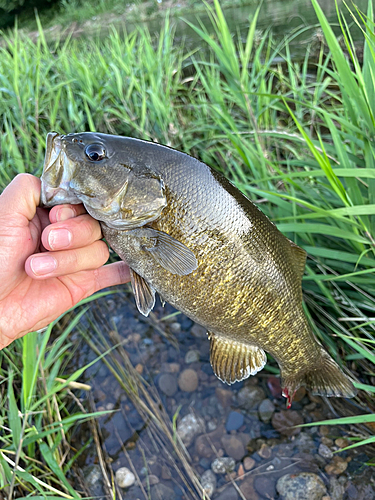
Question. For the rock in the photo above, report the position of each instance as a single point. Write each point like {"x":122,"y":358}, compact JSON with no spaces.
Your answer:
{"x":266,"y":410}
{"x":204,"y":445}
{"x":160,"y":490}
{"x":248,"y":490}
{"x":229,"y":493}
{"x":248,"y":463}
{"x":300,"y":394}
{"x":336,"y":490}
{"x":208,"y":482}
{"x":304,"y":442}
{"x":223,"y":465}
{"x":265,"y":451}
{"x":338,"y":465}
{"x":94,"y":480}
{"x":188,"y":380}
{"x":167,"y":384}
{"x":265,"y":486}
{"x":166,"y":472}
{"x":273,"y":384}
{"x":200,"y":332}
{"x":124,"y":477}
{"x":284,"y":421}
{"x":175,"y":327}
{"x":224,"y":396}
{"x":150,"y":480}
{"x":189,"y":427}
{"x":233,"y":447}
{"x":192,"y":356}
{"x":303,"y":486}
{"x":234,"y":421}
{"x":324,"y":451}
{"x":249,"y":397}
{"x":342,"y":442}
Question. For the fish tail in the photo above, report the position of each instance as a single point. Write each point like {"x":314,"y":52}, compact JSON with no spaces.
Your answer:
{"x":324,"y":378}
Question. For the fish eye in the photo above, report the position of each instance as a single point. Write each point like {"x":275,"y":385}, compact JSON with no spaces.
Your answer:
{"x":95,"y":152}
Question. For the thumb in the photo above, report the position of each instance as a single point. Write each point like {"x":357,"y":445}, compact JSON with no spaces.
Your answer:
{"x":21,"y":197}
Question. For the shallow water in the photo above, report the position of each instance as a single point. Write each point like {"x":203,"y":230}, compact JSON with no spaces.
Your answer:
{"x":232,"y":420}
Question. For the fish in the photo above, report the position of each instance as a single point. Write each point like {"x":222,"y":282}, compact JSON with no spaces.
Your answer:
{"x":191,"y":236}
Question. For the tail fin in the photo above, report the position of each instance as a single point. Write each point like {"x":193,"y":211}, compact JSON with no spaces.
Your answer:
{"x":324,"y":378}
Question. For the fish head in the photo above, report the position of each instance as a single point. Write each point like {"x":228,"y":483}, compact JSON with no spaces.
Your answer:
{"x":94,"y":169}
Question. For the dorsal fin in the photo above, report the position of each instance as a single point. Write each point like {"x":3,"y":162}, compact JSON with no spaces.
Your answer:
{"x":299,"y":259}
{"x":233,"y":361}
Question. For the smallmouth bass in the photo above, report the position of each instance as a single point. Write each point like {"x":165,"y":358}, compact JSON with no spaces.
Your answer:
{"x":187,"y":233}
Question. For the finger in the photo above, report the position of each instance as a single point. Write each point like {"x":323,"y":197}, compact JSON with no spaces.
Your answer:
{"x":53,"y":264}
{"x":72,"y":233}
{"x":60,"y":213}
{"x":21,"y":196}
{"x":116,"y":273}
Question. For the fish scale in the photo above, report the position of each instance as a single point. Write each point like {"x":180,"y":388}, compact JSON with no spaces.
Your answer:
{"x":187,"y":233}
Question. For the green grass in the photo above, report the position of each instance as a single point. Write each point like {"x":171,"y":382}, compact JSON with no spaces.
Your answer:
{"x":301,"y":146}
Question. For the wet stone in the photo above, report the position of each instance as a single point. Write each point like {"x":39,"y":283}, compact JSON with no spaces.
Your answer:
{"x":160,"y":490}
{"x":249,"y":463}
{"x":223,"y":465}
{"x":233,"y":447}
{"x":265,"y":451}
{"x":249,"y":397}
{"x":303,"y":486}
{"x":188,"y":380}
{"x":192,"y":356}
{"x":273,"y":384}
{"x":337,"y":466}
{"x":167,"y":384}
{"x":229,"y":493}
{"x":204,"y":445}
{"x":208,"y":482}
{"x":265,"y":486}
{"x":248,"y":490}
{"x":94,"y":480}
{"x":199,"y":331}
{"x":189,"y":427}
{"x":284,"y":421}
{"x":235,"y":421}
{"x":266,"y":410}
{"x":336,"y":490}
{"x":304,"y":442}
{"x":324,"y":451}
{"x":224,"y":396}
{"x":124,"y":477}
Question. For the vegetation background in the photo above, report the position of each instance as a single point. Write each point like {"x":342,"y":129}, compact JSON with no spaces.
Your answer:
{"x":297,"y":137}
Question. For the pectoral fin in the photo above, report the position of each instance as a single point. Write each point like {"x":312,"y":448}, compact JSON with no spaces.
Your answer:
{"x":233,"y":361}
{"x":174,"y":256}
{"x":143,"y":292}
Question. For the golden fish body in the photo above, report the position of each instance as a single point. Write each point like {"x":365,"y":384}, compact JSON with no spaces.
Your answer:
{"x":191,"y":236}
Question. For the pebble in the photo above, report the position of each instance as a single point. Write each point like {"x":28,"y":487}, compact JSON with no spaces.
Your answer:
{"x":192,"y":356}
{"x":248,"y":490}
{"x":124,"y":477}
{"x":229,"y":493}
{"x":189,"y":427}
{"x":223,"y":465}
{"x":167,"y":384}
{"x":150,"y":480}
{"x":224,"y":396}
{"x":208,"y":482}
{"x":188,"y":380}
{"x":342,"y":442}
{"x":235,"y":420}
{"x":233,"y":447}
{"x":336,"y":490}
{"x":266,"y":410}
{"x":93,"y":478}
{"x":265,"y":486}
{"x":160,"y":490}
{"x":175,"y":327}
{"x":284,"y":421}
{"x":304,"y":442}
{"x":248,"y":463}
{"x":324,"y":451}
{"x":303,"y":486}
{"x":205,"y":445}
{"x":337,"y":466}
{"x":249,"y":397}
{"x":265,"y":451}
{"x":198,"y":331}
{"x":273,"y":384}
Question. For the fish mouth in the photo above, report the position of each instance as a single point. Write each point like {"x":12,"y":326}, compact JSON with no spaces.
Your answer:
{"x":57,"y":174}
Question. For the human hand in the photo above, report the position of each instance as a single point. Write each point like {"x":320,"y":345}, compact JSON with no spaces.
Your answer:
{"x":49,"y":259}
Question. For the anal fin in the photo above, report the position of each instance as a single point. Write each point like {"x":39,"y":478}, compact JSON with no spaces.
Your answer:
{"x":143,"y":292}
{"x":234,"y":361}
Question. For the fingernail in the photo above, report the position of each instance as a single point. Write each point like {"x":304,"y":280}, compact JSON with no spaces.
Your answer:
{"x":65,"y":214}
{"x":43,"y":265}
{"x":59,"y":238}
